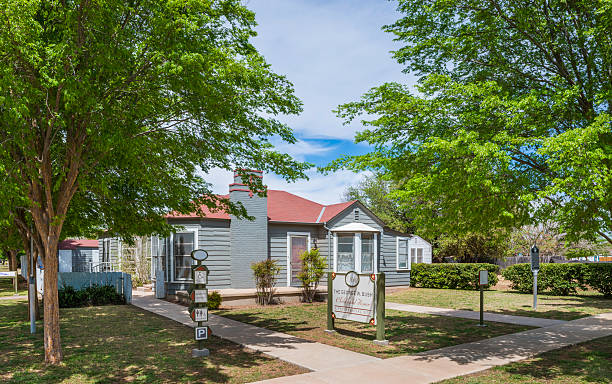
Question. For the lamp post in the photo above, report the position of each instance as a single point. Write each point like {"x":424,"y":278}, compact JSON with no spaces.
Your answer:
{"x":535,"y":267}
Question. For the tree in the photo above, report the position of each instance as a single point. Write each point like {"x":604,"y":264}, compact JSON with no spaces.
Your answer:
{"x":511,"y":121}
{"x":110,"y":111}
{"x":373,"y":191}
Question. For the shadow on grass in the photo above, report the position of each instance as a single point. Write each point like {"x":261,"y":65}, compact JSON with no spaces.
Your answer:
{"x":590,"y":362}
{"x":123,"y":344}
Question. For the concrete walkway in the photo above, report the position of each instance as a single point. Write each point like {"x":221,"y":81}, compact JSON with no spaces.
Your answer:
{"x":14,"y":297}
{"x":459,"y":360}
{"x":307,"y":354}
{"x":474,"y":315}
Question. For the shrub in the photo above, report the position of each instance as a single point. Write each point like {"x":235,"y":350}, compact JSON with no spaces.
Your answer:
{"x":599,"y":277}
{"x":214,"y":300}
{"x":313,"y":269}
{"x":95,"y":295}
{"x":556,"y":279}
{"x":265,"y":273}
{"x":451,"y":276}
{"x":520,"y":277}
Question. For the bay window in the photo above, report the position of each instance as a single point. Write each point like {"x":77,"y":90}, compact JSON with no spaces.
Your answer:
{"x":346,"y":252}
{"x":355,"y":251}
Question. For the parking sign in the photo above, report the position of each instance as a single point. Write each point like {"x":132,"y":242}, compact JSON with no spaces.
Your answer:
{"x":201,"y":333}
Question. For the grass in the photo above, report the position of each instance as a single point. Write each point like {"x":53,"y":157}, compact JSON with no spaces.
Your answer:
{"x":123,"y":344}
{"x":589,"y":362}
{"x":7,"y":289}
{"x":407,"y":332}
{"x":507,"y":302}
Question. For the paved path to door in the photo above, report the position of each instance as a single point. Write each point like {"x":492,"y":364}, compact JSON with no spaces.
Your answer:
{"x":474,"y":315}
{"x":459,"y":360}
{"x":314,"y":356}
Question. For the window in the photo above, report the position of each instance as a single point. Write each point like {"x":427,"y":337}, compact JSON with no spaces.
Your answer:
{"x":402,"y":253}
{"x":183,"y":245}
{"x":158,"y":253}
{"x":346,"y":252}
{"x":367,"y":253}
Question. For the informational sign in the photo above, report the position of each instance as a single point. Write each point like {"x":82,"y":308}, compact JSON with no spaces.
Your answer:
{"x":483,"y":277}
{"x":354,"y":297}
{"x":535,"y":258}
{"x":199,"y":296}
{"x":199,"y":314}
{"x":201,"y":333}
{"x":200,"y":275}
{"x":8,"y":274}
{"x":199,"y":255}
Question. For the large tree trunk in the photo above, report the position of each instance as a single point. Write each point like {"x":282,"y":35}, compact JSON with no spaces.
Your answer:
{"x":53,"y":348}
{"x":12,"y":258}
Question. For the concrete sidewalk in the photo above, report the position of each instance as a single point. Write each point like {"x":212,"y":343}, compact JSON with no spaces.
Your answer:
{"x":14,"y":297}
{"x":459,"y":360}
{"x":474,"y":315}
{"x":307,"y":354}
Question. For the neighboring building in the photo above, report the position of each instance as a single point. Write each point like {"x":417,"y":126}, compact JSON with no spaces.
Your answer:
{"x":284,"y":226}
{"x":78,"y":255}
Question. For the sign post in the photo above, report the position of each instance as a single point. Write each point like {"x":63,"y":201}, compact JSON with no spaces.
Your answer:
{"x":198,"y":310}
{"x":483,"y":279}
{"x":535,"y":267}
{"x":357,"y":297}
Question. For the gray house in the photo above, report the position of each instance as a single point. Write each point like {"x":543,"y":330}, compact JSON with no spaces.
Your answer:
{"x":285,"y":225}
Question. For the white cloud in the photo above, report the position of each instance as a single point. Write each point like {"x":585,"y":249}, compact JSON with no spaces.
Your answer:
{"x":302,"y":148}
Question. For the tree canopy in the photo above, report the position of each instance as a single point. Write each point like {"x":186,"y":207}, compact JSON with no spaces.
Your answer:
{"x":112,"y":111}
{"x":510,"y":122}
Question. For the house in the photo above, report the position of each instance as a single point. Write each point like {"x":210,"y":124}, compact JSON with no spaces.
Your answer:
{"x":285,"y":225}
{"x":78,"y":255}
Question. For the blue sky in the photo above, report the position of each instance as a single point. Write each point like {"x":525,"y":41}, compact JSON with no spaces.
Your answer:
{"x":332,"y":51}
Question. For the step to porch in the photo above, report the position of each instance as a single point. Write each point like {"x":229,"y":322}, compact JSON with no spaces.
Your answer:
{"x":243,"y":297}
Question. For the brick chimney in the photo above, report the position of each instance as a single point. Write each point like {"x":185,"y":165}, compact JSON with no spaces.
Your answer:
{"x":248,"y":238}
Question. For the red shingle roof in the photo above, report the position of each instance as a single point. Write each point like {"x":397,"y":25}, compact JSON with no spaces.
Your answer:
{"x":77,"y":243}
{"x":286,"y":207}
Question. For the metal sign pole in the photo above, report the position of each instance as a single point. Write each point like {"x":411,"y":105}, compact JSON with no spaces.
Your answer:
{"x":483,"y":279}
{"x":31,"y":290}
{"x":535,"y":267}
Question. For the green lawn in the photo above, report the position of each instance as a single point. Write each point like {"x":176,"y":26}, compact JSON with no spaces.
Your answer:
{"x":590,"y":362}
{"x":507,"y":302}
{"x":6,"y":288}
{"x":123,"y":344}
{"x":407,"y":332}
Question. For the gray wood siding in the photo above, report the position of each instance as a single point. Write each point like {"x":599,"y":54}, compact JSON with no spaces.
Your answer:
{"x":277,"y":234}
{"x":214,"y":238}
{"x":348,"y":217}
{"x":388,"y":262}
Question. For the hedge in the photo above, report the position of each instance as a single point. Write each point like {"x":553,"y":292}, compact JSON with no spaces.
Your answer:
{"x":452,"y":275}
{"x":561,"y":279}
{"x":69,"y":297}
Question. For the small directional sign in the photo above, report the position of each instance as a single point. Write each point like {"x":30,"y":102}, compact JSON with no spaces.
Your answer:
{"x":199,"y":254}
{"x":201,"y":333}
{"x":200,"y":274}
{"x":199,"y":314}
{"x":199,"y":296}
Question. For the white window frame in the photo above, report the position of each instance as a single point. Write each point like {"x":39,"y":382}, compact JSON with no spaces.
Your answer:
{"x":357,"y":250}
{"x":408,"y":246}
{"x":289,"y":234}
{"x":187,"y":228}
